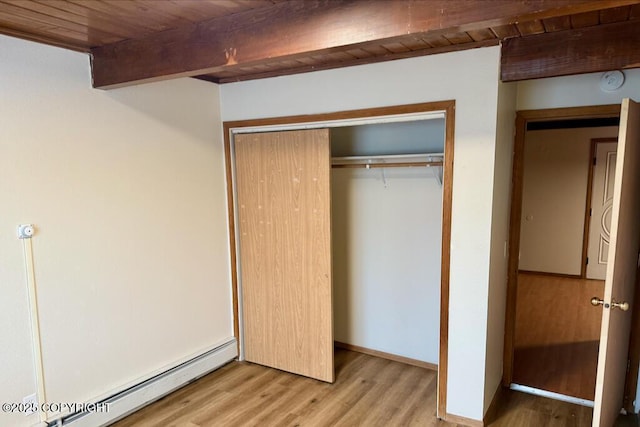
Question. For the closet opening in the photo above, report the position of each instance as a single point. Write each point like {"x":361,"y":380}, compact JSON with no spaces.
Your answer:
{"x":386,"y":203}
{"x":363,"y":199}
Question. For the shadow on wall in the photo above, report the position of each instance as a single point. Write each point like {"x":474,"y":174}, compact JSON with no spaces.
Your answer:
{"x":341,"y":248}
{"x":198,"y":114}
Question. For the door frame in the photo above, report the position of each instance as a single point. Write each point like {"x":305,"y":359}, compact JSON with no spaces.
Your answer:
{"x":523,"y":118}
{"x":446,"y":107}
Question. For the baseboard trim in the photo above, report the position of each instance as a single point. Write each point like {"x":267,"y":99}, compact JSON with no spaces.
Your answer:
{"x":494,"y":406}
{"x":457,"y":419}
{"x":489,"y":416}
{"x":544,"y":273}
{"x":147,"y":392}
{"x":388,"y":356}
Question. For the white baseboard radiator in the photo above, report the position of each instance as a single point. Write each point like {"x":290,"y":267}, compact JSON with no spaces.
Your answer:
{"x":140,"y":395}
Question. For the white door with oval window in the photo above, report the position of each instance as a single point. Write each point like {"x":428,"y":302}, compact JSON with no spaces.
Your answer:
{"x":601,"y":207}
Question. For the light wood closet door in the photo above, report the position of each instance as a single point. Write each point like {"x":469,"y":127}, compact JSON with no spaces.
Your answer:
{"x":284,"y":213}
{"x":621,"y":270}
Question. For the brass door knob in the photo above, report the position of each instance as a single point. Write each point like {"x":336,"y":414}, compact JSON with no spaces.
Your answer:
{"x":624,"y":306}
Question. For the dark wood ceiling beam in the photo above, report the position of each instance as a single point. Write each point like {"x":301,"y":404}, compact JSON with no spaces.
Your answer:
{"x":295,"y":28}
{"x":587,"y":50}
{"x":356,"y":61}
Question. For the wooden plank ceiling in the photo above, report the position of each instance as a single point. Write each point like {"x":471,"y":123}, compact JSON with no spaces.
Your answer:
{"x":132,"y":41}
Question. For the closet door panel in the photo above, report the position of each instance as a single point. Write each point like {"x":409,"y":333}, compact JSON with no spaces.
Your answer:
{"x":284,"y":215}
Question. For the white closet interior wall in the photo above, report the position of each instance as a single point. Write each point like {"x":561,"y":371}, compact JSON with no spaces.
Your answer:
{"x":387,"y":234}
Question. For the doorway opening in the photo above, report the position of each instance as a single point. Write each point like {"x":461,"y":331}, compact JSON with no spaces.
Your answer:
{"x":557,"y":333}
{"x":550,"y":325}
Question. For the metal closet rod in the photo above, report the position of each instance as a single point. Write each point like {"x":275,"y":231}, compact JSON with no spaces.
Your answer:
{"x":389,"y":161}
{"x":387,"y":165}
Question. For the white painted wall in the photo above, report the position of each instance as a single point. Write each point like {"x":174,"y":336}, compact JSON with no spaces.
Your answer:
{"x":386,"y":260}
{"x":115,"y":183}
{"x":420,"y":136}
{"x":574,"y":91}
{"x":429,"y":78}
{"x":555,"y":183}
{"x":499,"y":239}
{"x":386,"y":238}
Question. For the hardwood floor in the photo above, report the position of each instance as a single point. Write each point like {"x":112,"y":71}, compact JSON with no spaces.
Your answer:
{"x":368,"y":391}
{"x":557,"y":334}
{"x":525,"y":410}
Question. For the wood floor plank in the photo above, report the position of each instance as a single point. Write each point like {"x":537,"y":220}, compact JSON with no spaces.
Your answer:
{"x":335,"y":405}
{"x":557,"y":334}
{"x":242,"y":398}
{"x":187,"y":414}
{"x":413,"y":413}
{"x":525,"y":410}
{"x":368,"y":391}
{"x":383,"y":406}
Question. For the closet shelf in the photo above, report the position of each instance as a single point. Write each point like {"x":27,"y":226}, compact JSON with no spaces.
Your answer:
{"x":388,"y":161}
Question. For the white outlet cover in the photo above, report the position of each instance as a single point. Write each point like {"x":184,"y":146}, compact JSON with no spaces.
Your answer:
{"x":25,"y":231}
{"x":30,"y":403}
